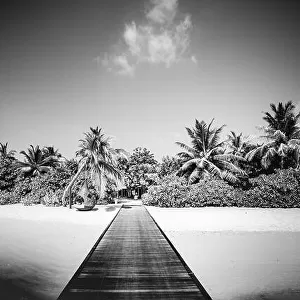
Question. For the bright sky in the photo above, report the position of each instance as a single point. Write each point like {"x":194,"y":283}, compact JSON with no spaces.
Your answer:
{"x":142,"y":70}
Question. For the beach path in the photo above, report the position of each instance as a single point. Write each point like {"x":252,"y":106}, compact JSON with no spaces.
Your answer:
{"x":133,"y":259}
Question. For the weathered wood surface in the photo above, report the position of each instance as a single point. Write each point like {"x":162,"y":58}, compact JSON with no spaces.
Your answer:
{"x":133,"y":260}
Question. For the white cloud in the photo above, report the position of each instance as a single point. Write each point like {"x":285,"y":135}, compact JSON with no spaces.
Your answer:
{"x":160,"y":40}
{"x":118,"y":64}
{"x":161,"y":49}
{"x":163,"y":11}
{"x":131,"y":38}
{"x":123,"y":66}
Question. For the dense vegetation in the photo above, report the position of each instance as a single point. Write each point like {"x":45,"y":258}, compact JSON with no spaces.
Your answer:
{"x":237,"y":171}
{"x":281,"y":189}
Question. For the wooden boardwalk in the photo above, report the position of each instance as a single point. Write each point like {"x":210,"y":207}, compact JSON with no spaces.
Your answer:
{"x":133,"y":259}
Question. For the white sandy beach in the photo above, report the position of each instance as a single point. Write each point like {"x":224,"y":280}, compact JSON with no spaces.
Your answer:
{"x":41,"y":247}
{"x":238,"y":253}
{"x":226,"y":219}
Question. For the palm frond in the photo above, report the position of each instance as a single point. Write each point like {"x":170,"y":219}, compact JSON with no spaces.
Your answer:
{"x":252,"y":154}
{"x":184,"y":156}
{"x":186,"y":147}
{"x":195,"y":176}
{"x":229,"y":157}
{"x":268,"y":157}
{"x":229,"y":177}
{"x":282,"y":149}
{"x":189,"y":165}
{"x":214,"y":140}
{"x":230,"y":167}
{"x":211,"y":168}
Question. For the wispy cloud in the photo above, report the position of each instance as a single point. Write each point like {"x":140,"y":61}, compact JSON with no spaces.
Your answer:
{"x":194,"y":59}
{"x":163,"y":38}
{"x":118,"y":64}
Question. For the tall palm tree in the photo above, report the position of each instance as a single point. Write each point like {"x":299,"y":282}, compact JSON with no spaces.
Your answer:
{"x":4,"y":153}
{"x":97,"y":159}
{"x":281,"y":148}
{"x":36,"y":162}
{"x":207,"y":156}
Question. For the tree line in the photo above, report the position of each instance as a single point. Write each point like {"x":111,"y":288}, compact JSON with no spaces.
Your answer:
{"x":105,"y":169}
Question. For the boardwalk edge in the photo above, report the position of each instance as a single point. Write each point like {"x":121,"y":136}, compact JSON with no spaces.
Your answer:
{"x":189,"y":271}
{"x":60,"y":297}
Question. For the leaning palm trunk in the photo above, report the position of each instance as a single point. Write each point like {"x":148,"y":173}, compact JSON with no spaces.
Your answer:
{"x":69,"y":187}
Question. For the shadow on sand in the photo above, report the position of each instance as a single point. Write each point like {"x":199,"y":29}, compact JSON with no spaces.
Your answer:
{"x":126,"y":206}
{"x":111,"y":208}
{"x":94,"y":209}
{"x":17,"y":290}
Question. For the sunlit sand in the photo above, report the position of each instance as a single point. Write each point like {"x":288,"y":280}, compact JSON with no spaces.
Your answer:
{"x":238,"y":253}
{"x":41,"y":247}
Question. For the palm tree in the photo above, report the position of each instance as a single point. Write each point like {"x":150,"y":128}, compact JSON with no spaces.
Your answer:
{"x":36,"y":162}
{"x":281,"y":148}
{"x":284,"y":119}
{"x":207,"y":156}
{"x":237,"y":143}
{"x":4,"y":153}
{"x":50,"y":151}
{"x":97,"y":159}
{"x":240,"y":145}
{"x":71,"y":165}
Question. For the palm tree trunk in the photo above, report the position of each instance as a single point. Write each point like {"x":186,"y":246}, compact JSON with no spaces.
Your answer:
{"x":69,"y":187}
{"x":100,"y":188}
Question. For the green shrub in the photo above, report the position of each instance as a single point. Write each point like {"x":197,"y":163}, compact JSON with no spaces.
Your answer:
{"x":29,"y":200}
{"x":24,"y":186}
{"x":210,"y":192}
{"x":50,"y":199}
{"x":6,"y":198}
{"x":171,"y":191}
{"x":38,"y":187}
{"x":8,"y":174}
{"x":281,"y":189}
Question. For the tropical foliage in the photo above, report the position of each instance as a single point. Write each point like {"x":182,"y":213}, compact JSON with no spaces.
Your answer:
{"x":282,"y":145}
{"x":37,"y":161}
{"x":5,"y":153}
{"x":281,"y":189}
{"x":237,"y":143}
{"x":206,"y":156}
{"x":238,"y":171}
{"x":140,"y":170}
{"x":97,"y":160}
{"x":169,"y":165}
{"x":169,"y":191}
{"x":50,"y":151}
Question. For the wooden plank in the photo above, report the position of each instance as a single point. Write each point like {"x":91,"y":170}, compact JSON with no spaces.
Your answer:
{"x":133,"y":259}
